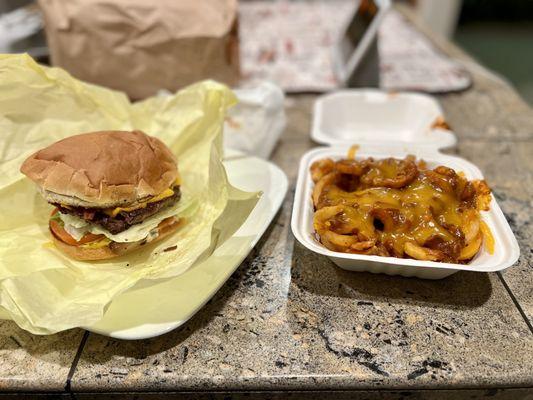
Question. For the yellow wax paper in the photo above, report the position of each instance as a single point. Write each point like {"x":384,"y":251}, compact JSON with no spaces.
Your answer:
{"x":41,"y":289}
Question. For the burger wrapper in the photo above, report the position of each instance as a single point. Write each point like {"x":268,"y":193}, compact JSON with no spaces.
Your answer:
{"x":41,"y":289}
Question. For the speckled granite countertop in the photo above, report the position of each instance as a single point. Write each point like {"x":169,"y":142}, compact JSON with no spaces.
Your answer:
{"x":289,"y":319}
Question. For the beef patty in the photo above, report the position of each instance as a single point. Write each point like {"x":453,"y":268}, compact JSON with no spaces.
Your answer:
{"x":124,"y":219}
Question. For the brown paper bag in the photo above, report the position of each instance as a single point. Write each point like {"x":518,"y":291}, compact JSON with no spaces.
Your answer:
{"x":141,"y":46}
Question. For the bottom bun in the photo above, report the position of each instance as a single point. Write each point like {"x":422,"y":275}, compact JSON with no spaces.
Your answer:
{"x":115,"y":249}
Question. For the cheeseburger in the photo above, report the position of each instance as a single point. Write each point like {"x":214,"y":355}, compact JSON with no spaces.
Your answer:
{"x":113,"y":192}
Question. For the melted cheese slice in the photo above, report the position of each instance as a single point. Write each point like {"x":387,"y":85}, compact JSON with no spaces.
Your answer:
{"x":163,"y":195}
{"x":114,"y":211}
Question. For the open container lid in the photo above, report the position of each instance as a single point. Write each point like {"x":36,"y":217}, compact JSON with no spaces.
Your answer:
{"x":374,"y":117}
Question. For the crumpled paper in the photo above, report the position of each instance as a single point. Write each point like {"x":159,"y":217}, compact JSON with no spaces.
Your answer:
{"x":256,"y":123}
{"x":141,"y":47}
{"x":41,"y":289}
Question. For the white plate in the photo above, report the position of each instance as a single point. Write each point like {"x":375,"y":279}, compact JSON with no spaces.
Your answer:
{"x":506,"y":249}
{"x":154,"y":309}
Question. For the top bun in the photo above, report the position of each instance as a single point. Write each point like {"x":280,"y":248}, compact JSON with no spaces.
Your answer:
{"x":102,"y":169}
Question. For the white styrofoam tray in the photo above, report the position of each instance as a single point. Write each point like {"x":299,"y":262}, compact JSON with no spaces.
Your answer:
{"x":373,"y":116}
{"x":390,"y":125}
{"x":506,"y":249}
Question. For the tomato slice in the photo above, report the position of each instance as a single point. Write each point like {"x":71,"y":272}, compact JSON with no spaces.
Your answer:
{"x":61,"y":233}
{"x":64,"y":236}
{"x":89,"y":237}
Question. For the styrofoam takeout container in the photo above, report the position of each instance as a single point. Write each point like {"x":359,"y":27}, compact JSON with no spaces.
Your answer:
{"x":390,"y":126}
